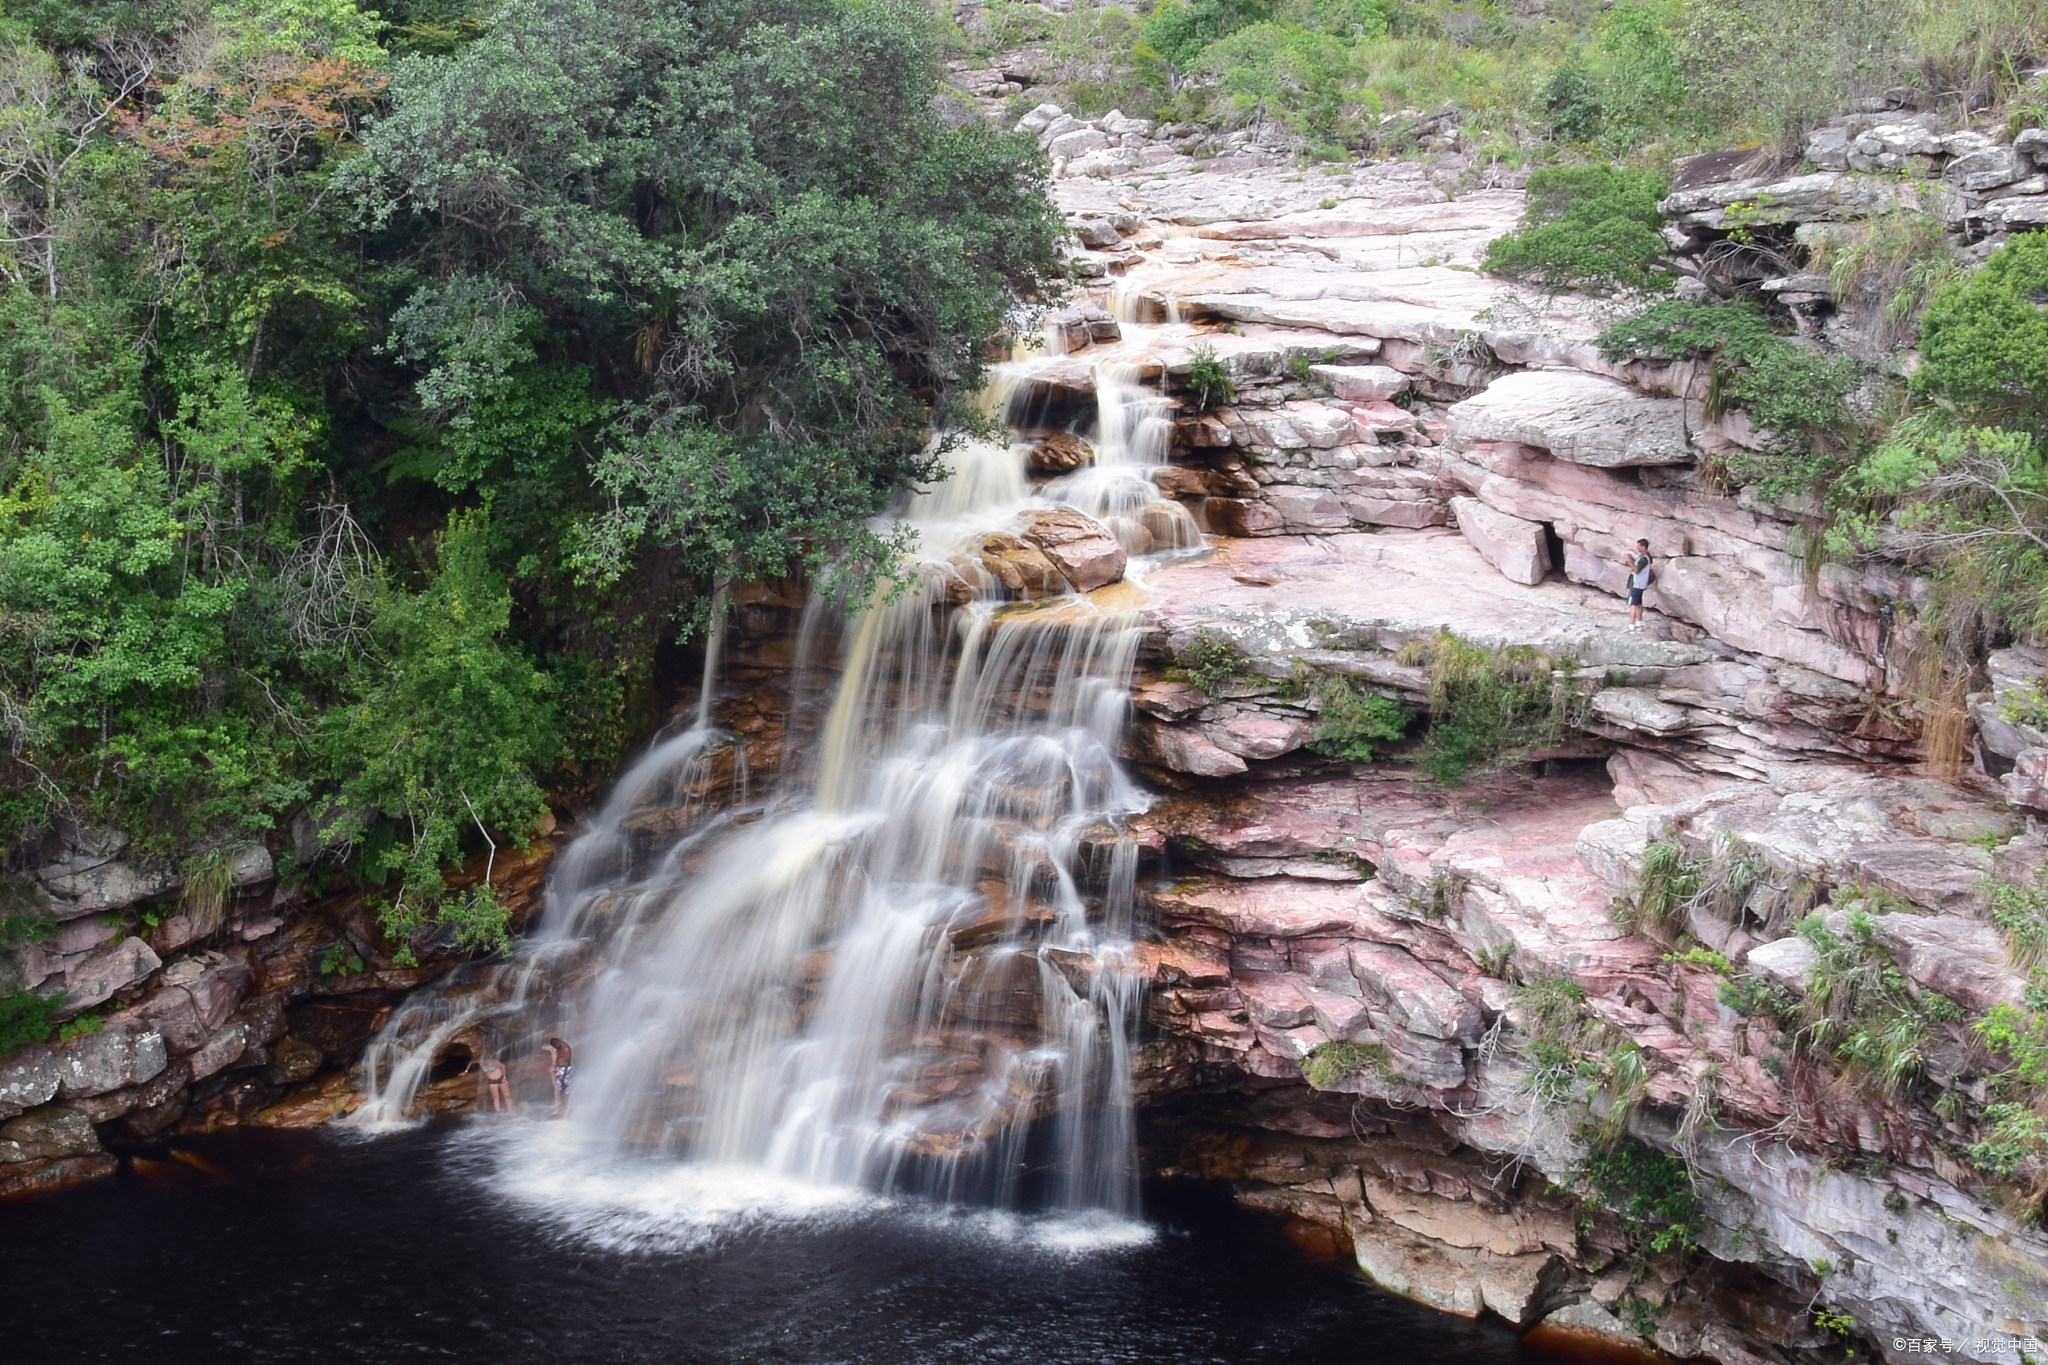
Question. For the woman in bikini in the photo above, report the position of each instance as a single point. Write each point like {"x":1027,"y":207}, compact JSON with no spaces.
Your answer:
{"x":499,"y":1085}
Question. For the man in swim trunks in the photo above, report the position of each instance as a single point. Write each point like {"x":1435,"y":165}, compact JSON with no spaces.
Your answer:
{"x":564,"y":1073}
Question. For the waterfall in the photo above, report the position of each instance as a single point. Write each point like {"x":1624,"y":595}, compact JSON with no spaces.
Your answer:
{"x":890,"y":979}
{"x":909,"y":967}
{"x":1133,"y":431}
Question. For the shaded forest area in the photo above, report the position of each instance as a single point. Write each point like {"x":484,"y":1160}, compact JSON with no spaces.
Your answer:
{"x":382,"y":392}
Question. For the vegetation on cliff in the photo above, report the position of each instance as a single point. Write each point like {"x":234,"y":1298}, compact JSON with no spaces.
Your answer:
{"x":382,"y":390}
{"x":1638,"y":81}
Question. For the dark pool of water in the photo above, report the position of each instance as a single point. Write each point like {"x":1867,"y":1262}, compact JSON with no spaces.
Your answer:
{"x":308,"y":1248}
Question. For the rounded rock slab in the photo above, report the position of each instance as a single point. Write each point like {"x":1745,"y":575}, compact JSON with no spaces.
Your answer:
{"x":1085,"y":551}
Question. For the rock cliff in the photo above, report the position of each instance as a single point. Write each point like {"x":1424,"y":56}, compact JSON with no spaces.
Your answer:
{"x":1415,"y":1014}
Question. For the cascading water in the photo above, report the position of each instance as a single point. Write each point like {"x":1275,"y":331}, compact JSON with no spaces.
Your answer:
{"x":883,"y":982}
{"x":1133,"y":431}
{"x":910,"y":968}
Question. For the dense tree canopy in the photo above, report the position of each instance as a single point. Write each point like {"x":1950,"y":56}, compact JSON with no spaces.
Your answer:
{"x":381,"y":390}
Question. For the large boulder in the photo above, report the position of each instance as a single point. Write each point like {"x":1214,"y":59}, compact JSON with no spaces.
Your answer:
{"x":1060,"y":453}
{"x":194,"y":1000}
{"x":1964,"y":959}
{"x":1085,"y":551}
{"x":105,"y":970}
{"x":1362,"y":383}
{"x":47,"y":1134}
{"x":1022,"y":569}
{"x":125,"y":1052}
{"x":28,"y":1077}
{"x":1251,"y":734}
{"x":219,"y":1052}
{"x":2026,"y":786}
{"x":104,"y":886}
{"x":1515,"y":547}
{"x":1185,"y":749}
{"x":1577,"y":417}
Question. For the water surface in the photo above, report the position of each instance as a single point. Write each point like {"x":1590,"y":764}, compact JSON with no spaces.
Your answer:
{"x":436,"y":1245}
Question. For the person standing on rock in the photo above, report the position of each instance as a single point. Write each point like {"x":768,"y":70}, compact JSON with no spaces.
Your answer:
{"x":1640,"y":577}
{"x":498,"y":1084}
{"x":564,"y":1073}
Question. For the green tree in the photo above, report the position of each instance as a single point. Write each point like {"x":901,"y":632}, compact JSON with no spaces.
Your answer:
{"x":757,"y":216}
{"x":1984,"y":339}
{"x":1586,"y":227}
{"x":451,"y":730}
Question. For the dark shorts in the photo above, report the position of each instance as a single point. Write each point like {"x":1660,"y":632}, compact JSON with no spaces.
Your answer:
{"x":1635,"y":596}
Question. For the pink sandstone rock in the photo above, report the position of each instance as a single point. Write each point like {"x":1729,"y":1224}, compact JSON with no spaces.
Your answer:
{"x":1081,"y":548}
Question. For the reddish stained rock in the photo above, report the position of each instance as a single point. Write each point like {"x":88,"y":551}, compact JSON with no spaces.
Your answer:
{"x":1274,"y":1002}
{"x":1275,"y":907}
{"x":1178,"y":481}
{"x":123,"y":1053}
{"x":1169,"y":701}
{"x":196,"y":999}
{"x":1242,"y":517}
{"x":1061,"y":453}
{"x":1184,"y":959}
{"x":1413,"y":995}
{"x":45,"y":1177}
{"x":1022,"y":569}
{"x":1249,"y":734}
{"x":1184,"y":749}
{"x":104,"y":971}
{"x":1082,"y":548}
{"x":1316,"y":1243}
{"x":1964,"y":959}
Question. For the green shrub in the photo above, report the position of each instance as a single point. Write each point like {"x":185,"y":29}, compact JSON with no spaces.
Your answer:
{"x":1213,"y":663}
{"x":1326,"y":1067}
{"x":1667,"y":879}
{"x":1486,"y":706}
{"x":2020,"y":1038}
{"x":1861,"y":1011}
{"x":1209,"y":379}
{"x":1179,"y":32}
{"x":1649,"y":1191}
{"x":24,"y":915}
{"x":2013,"y":1139}
{"x":1752,"y":997}
{"x":1967,"y":503}
{"x":1984,"y":339}
{"x":1624,"y":87}
{"x":1586,"y":227}
{"x":448,"y":738}
{"x":25,"y":1018}
{"x":2022,"y":912}
{"x":1557,"y":1032}
{"x":1795,"y":396}
{"x":1352,"y":721}
{"x":1700,"y":956}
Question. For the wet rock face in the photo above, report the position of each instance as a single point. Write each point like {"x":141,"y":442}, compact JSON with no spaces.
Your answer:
{"x":1084,"y":551}
{"x":1022,"y":569}
{"x":1061,"y":453}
